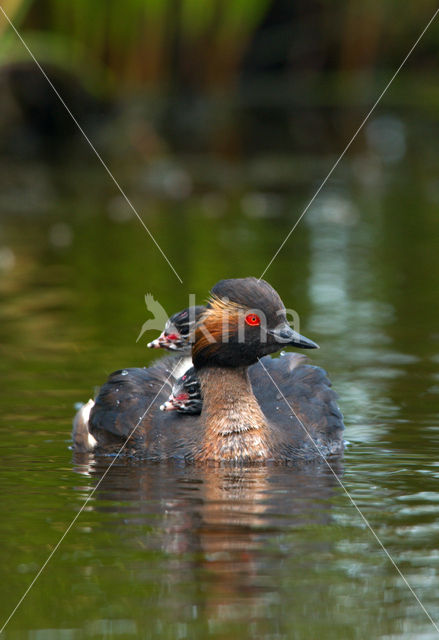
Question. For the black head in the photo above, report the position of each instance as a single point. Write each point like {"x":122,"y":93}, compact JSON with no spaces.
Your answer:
{"x":244,"y":320}
{"x":175,"y":336}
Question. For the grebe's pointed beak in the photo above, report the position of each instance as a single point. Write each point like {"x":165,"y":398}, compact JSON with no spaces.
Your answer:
{"x":285,"y":335}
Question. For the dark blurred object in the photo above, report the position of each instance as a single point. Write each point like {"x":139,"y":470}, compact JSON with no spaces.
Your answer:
{"x":33,"y":122}
{"x":289,"y":42}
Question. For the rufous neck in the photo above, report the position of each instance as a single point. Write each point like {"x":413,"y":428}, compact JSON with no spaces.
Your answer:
{"x":229,"y":405}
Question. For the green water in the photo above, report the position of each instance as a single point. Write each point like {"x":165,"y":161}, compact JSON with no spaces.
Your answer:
{"x":163,"y":551}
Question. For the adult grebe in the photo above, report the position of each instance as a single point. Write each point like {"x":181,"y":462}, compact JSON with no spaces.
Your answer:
{"x":245,"y":416}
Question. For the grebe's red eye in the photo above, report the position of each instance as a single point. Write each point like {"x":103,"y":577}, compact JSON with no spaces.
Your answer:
{"x":253,"y":320}
{"x":172,"y":336}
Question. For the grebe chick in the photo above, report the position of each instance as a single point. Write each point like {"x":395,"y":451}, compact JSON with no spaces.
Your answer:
{"x":244,"y":417}
{"x":176,"y":334}
{"x":186,"y":395}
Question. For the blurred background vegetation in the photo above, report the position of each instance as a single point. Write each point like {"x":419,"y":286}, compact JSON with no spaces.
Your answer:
{"x":231,"y":78}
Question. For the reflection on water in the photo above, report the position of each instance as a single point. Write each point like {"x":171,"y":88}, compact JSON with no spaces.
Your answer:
{"x":163,"y":551}
{"x":227,"y":530}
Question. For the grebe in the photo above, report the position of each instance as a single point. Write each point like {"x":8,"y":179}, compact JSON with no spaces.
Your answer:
{"x":186,"y":394}
{"x":244,"y":417}
{"x":176,"y":334}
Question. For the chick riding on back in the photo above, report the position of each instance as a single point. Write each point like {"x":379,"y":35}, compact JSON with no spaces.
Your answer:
{"x":254,"y":407}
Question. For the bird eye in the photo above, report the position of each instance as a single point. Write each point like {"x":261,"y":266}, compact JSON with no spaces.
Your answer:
{"x":252,"y":319}
{"x":172,"y":336}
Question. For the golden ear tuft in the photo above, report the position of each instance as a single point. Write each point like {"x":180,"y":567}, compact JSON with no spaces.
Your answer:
{"x":223,"y":304}
{"x":218,"y":321}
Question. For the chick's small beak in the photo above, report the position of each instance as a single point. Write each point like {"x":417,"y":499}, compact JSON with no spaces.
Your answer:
{"x":285,"y":335}
{"x":162,"y":342}
{"x":157,"y":343}
{"x":167,"y":406}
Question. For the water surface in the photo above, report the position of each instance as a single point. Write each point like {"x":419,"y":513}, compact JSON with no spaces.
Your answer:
{"x":168,"y":551}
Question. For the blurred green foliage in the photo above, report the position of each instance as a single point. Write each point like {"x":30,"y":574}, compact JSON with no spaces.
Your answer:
{"x":137,"y":41}
{"x":147,"y":43}
{"x":229,"y":76}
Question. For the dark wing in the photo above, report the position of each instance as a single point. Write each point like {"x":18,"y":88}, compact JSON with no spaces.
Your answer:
{"x":131,"y":397}
{"x":301,"y":402}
